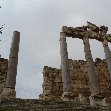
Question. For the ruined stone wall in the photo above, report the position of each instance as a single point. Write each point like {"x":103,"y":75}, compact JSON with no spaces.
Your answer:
{"x":52,"y":83}
{"x":52,"y":79}
{"x":3,"y":72}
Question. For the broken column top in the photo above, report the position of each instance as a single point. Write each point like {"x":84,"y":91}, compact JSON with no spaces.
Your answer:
{"x":91,"y":30}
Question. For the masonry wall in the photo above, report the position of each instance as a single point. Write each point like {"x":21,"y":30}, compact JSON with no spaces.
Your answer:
{"x":52,"y":79}
{"x":3,"y":72}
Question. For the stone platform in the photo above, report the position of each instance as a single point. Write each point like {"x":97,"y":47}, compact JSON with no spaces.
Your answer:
{"x":39,"y":105}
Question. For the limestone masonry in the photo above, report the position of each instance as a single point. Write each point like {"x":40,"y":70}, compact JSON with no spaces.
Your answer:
{"x":3,"y":73}
{"x":52,"y":80}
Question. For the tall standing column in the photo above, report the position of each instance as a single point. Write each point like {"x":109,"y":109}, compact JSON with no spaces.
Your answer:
{"x":94,"y":88}
{"x":12,"y":66}
{"x":64,"y":63}
{"x":107,"y":55}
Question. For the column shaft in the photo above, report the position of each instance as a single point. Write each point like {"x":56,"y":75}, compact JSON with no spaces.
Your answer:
{"x":107,"y":55}
{"x":94,"y":88}
{"x":64,"y":63}
{"x":13,"y":61}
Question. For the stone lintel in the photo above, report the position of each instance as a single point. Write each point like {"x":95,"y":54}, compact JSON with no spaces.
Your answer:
{"x":92,"y":33}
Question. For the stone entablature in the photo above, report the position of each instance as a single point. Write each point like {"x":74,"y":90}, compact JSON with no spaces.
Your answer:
{"x":52,"y":79}
{"x":91,"y":31}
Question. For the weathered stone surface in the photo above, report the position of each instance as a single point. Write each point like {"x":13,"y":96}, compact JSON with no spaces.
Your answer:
{"x":107,"y":55}
{"x":90,"y":67}
{"x":91,"y":30}
{"x":9,"y":93}
{"x":13,"y":61}
{"x":12,"y":66}
{"x":68,"y":96}
{"x":52,"y":83}
{"x":39,"y":105}
{"x":53,"y":88}
{"x":64,"y":64}
{"x":3,"y":72}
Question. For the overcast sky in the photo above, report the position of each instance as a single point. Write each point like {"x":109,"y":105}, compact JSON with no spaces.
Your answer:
{"x":40,"y":23}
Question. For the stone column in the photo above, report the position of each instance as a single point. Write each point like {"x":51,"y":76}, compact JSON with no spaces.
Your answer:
{"x":94,"y":86}
{"x":9,"y":89}
{"x":107,"y":55}
{"x":65,"y":63}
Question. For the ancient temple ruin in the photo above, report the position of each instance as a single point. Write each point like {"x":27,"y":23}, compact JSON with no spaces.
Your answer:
{"x":80,"y":79}
{"x":83,"y":83}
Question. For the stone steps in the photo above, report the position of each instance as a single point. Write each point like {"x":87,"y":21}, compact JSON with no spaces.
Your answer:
{"x":38,"y":105}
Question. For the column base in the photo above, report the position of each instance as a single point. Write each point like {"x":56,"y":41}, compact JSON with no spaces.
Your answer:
{"x":9,"y":93}
{"x":82,"y":98}
{"x":98,"y":100}
{"x":68,"y":96}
